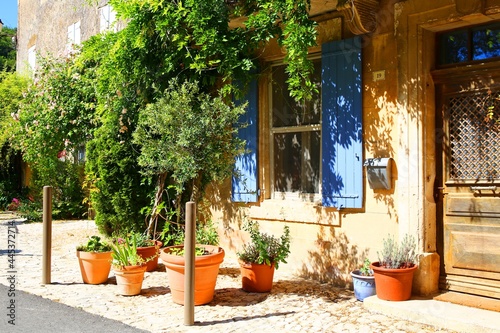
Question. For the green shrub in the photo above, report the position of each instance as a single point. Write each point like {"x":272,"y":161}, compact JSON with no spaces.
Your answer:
{"x":94,"y":244}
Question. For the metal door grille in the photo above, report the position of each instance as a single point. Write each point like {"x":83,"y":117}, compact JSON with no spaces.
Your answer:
{"x":474,"y":134}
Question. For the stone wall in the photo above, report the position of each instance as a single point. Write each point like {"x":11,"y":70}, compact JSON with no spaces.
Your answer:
{"x":44,"y":24}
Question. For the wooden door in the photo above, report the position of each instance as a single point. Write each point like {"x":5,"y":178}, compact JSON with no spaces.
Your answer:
{"x":468,"y":117}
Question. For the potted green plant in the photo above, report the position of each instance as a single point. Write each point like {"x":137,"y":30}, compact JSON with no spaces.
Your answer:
{"x":363,"y":281}
{"x":395,"y":268}
{"x":147,"y":248}
{"x":128,"y":265}
{"x":259,"y":258}
{"x":94,"y":258}
{"x":208,"y":258}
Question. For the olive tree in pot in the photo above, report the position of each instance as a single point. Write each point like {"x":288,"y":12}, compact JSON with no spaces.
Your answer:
{"x":208,"y":258}
{"x":395,"y":268}
{"x":259,"y":258}
{"x":187,"y":140}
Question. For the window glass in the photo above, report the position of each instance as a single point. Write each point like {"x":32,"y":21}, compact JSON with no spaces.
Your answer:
{"x":469,"y":44}
{"x":296,"y":136}
{"x":453,"y":47}
{"x":296,"y":162}
{"x":286,"y":111}
{"x":486,"y":43}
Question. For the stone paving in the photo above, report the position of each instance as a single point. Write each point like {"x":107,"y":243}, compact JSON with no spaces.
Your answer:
{"x":293,"y":305}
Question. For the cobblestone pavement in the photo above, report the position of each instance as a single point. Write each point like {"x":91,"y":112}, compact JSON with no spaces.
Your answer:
{"x":293,"y":305}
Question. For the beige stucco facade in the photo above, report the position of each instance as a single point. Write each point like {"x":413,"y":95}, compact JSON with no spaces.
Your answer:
{"x":398,"y":122}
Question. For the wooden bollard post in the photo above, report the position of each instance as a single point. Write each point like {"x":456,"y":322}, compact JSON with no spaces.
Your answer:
{"x":47,"y":234}
{"x":189,"y":253}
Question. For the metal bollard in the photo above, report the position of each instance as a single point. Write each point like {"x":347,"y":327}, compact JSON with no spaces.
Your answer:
{"x":47,"y":234}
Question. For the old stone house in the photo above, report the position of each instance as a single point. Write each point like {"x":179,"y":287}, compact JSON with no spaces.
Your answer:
{"x":402,"y":137}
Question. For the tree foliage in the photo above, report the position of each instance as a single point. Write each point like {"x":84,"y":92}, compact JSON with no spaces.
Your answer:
{"x":190,"y":136}
{"x":11,"y":88}
{"x":7,"y":50}
{"x":99,"y":97}
{"x":11,"y":93}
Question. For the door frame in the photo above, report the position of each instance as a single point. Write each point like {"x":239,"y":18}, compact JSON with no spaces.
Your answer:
{"x":468,"y":78}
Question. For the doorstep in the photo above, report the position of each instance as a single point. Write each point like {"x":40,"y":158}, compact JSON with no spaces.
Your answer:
{"x":439,"y":314}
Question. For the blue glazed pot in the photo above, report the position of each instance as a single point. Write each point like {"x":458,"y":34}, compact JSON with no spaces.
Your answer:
{"x":364,"y":286}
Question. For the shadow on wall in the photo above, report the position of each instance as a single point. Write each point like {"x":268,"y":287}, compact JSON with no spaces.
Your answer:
{"x":333,"y":259}
{"x":217,"y":197}
{"x":379,"y":131}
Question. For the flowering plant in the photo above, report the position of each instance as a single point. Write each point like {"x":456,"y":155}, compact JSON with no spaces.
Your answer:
{"x":14,"y":205}
{"x":125,"y":253}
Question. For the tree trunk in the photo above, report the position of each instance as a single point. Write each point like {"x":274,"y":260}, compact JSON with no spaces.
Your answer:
{"x":153,"y":219}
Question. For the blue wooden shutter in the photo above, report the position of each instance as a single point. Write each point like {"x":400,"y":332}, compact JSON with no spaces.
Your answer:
{"x":245,"y":181}
{"x":341,"y":93}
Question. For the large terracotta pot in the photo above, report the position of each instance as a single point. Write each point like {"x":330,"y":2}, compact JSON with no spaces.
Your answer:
{"x":129,"y":279}
{"x":94,"y":266}
{"x":205,"y":273}
{"x":363,"y":285}
{"x":150,"y":251}
{"x":256,"y":278}
{"x":393,"y":284}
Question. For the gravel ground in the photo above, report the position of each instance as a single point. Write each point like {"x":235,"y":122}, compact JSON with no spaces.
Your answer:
{"x":293,"y":305}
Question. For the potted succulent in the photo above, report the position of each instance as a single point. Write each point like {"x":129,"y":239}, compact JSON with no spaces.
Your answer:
{"x":94,"y":258}
{"x":363,"y":281}
{"x":128,"y":265}
{"x":207,"y":261}
{"x":395,"y":268}
{"x":259,"y":258}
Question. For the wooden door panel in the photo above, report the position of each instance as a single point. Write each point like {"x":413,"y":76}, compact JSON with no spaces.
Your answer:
{"x":475,"y":250}
{"x":469,"y":174}
{"x":473,"y":206}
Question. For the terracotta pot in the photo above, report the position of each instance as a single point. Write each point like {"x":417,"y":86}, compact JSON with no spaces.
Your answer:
{"x":150,"y":251}
{"x":94,"y":266}
{"x":363,"y":285}
{"x":129,"y":279}
{"x":205,"y":273}
{"x":256,"y":278}
{"x":393,"y":284}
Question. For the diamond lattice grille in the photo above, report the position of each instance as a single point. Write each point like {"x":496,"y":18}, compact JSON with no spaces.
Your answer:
{"x":474,"y":136}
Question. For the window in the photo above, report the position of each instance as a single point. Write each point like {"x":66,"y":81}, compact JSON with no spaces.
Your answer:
{"x":316,"y":149}
{"x":32,"y":58}
{"x":295,"y":137}
{"x":107,"y":18}
{"x":469,"y":44}
{"x":74,"y":37}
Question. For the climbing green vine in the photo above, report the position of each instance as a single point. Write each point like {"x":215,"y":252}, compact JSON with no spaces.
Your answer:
{"x":95,"y":99}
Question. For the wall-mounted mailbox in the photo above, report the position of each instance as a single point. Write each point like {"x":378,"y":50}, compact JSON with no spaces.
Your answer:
{"x":378,"y":172}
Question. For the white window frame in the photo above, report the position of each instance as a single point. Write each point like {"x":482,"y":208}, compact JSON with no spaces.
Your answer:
{"x":32,"y":58}
{"x":74,"y":36}
{"x":107,"y":19}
